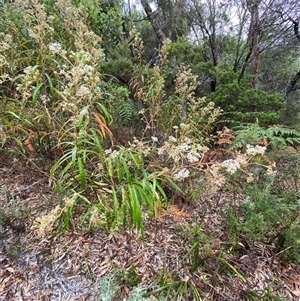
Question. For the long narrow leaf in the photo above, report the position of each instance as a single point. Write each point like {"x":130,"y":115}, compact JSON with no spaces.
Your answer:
{"x":234,"y":269}
{"x":74,"y":155}
{"x":119,"y":170}
{"x":136,"y":159}
{"x":36,"y":93}
{"x":52,"y":90}
{"x":116,"y":205}
{"x":109,"y":167}
{"x":147,"y":196}
{"x":135,"y":207}
{"x":97,"y":141}
{"x":103,"y":127}
{"x":14,"y":115}
{"x":104,"y":111}
{"x":125,"y":168}
{"x":81,"y":173}
{"x":124,"y":205}
{"x":60,"y":162}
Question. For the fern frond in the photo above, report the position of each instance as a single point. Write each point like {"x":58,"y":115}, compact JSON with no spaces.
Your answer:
{"x":127,"y":111}
{"x":276,"y":136}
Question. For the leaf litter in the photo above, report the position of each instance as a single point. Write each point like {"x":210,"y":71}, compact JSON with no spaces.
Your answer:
{"x":70,"y":266}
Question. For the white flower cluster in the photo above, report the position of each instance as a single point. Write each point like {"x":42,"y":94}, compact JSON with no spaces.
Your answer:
{"x":255,"y":150}
{"x":86,"y":70}
{"x":4,"y":46}
{"x":231,"y":165}
{"x":29,"y":78}
{"x":141,"y":146}
{"x":54,"y":47}
{"x":172,"y":139}
{"x":3,"y":77}
{"x":193,"y":156}
{"x":83,"y":91}
{"x":182,"y":174}
{"x":79,"y":71}
{"x":112,"y":153}
{"x":185,"y":150}
{"x":79,"y":80}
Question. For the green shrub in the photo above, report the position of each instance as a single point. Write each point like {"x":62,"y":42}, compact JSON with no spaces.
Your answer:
{"x":242,"y":103}
{"x":267,"y":217}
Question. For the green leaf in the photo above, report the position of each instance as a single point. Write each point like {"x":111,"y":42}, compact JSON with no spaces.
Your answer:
{"x":234,"y":269}
{"x":116,"y":204}
{"x":102,"y":110}
{"x":81,"y":173}
{"x":148,"y":195}
{"x":109,"y":167}
{"x":124,"y":205}
{"x":136,"y":159}
{"x":52,"y":89}
{"x":80,"y":196}
{"x":125,"y":169}
{"x":60,"y":162}
{"x":135,"y":207}
{"x":14,"y":115}
{"x":97,"y":141}
{"x":74,"y":154}
{"x":36,"y":93}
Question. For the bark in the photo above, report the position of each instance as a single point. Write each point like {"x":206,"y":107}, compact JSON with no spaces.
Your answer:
{"x":292,"y":85}
{"x":255,"y":48}
{"x":151,"y":16}
{"x":209,"y":32}
{"x":253,"y":55}
{"x":296,"y":27}
{"x":244,"y":66}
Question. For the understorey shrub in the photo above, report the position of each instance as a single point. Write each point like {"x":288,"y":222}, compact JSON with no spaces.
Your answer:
{"x":266,"y":215}
{"x":242,"y":103}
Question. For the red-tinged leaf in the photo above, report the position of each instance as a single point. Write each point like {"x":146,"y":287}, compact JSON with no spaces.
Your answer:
{"x":103,"y":127}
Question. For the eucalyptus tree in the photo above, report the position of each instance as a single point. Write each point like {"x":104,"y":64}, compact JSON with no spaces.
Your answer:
{"x":289,"y":14}
{"x":250,"y":43}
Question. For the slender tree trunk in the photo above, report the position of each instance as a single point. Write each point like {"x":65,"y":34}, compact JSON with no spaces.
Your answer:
{"x":255,"y":48}
{"x":252,"y":57}
{"x":150,"y":15}
{"x":292,"y":85}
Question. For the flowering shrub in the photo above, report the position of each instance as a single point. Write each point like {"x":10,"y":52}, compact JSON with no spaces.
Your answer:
{"x":246,"y":166}
{"x":56,"y":81}
{"x":55,"y":102}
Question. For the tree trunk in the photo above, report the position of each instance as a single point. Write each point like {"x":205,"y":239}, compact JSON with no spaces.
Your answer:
{"x":292,"y":85}
{"x":150,"y":15}
{"x":255,"y":48}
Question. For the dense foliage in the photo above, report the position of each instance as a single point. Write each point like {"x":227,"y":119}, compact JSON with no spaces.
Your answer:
{"x":132,"y":111}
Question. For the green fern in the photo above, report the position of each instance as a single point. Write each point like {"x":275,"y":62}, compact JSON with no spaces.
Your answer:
{"x":127,"y":112}
{"x":278,"y":136}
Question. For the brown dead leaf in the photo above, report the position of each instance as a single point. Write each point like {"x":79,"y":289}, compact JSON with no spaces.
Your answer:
{"x":176,"y":211}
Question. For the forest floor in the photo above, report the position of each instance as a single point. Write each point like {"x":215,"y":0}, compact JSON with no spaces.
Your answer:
{"x":70,"y":266}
